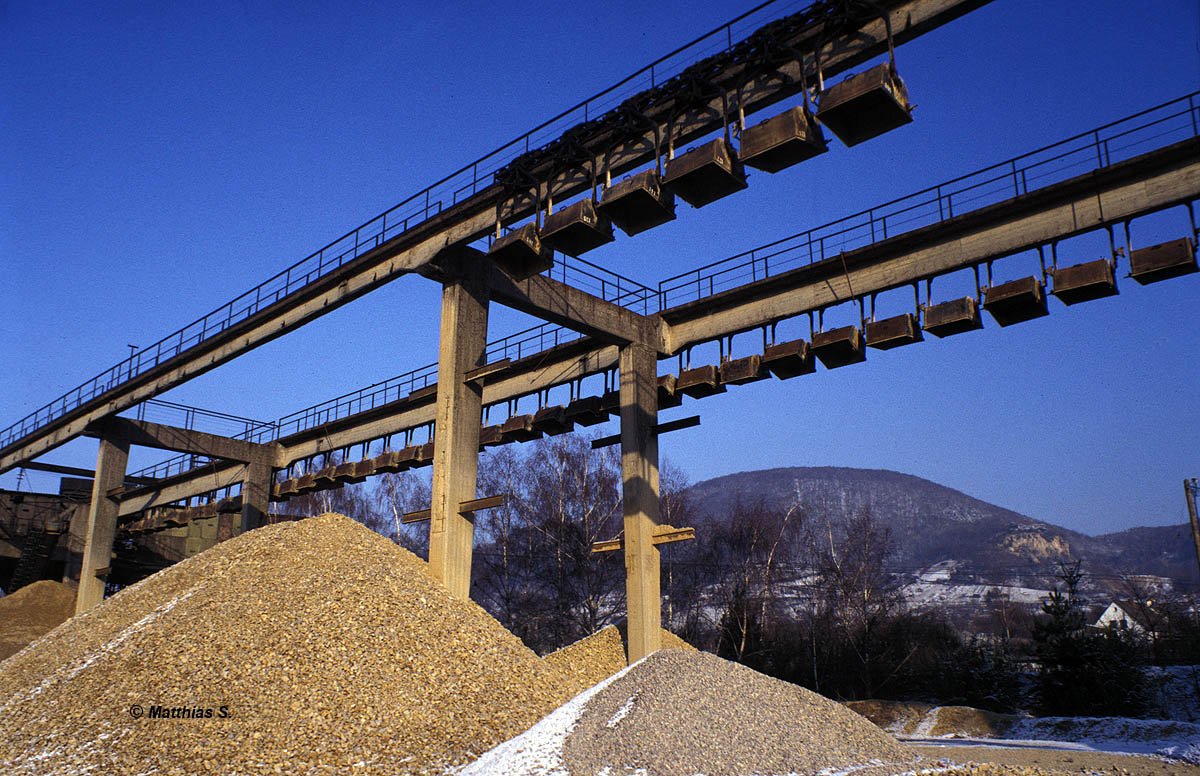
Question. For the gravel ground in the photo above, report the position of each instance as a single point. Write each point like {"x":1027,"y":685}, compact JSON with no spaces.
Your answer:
{"x":591,"y":660}
{"x":680,"y":713}
{"x":31,"y":612}
{"x":330,"y":648}
{"x":1020,"y":761}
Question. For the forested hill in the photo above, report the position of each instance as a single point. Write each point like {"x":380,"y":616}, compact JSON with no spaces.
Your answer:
{"x":930,"y":523}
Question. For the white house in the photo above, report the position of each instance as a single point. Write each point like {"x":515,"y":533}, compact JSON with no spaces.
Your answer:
{"x":1130,"y":614}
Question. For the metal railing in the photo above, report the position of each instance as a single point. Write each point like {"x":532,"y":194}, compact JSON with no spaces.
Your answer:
{"x":1114,"y":142}
{"x":408,"y":214}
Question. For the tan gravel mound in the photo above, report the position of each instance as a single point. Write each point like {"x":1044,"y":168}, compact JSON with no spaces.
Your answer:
{"x":970,"y":722}
{"x":330,"y":649}
{"x":680,"y":713}
{"x":32,"y":611}
{"x":595,"y":658}
{"x":897,"y":717}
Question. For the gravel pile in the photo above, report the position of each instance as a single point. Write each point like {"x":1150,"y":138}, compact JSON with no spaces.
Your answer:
{"x":32,"y":611}
{"x":300,"y":648}
{"x":593,"y":659}
{"x":681,"y":713}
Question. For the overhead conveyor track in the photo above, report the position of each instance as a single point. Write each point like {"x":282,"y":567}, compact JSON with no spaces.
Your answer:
{"x":1101,"y":179}
{"x":463,"y":207}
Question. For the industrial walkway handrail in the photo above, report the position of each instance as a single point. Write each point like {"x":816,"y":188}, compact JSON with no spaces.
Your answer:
{"x":932,"y":205}
{"x":544,"y":336}
{"x":409,"y":213}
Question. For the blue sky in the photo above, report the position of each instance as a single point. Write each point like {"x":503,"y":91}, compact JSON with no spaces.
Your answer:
{"x":159,"y":159}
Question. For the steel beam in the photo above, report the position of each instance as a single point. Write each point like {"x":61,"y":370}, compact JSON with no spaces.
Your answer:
{"x":183,"y":440}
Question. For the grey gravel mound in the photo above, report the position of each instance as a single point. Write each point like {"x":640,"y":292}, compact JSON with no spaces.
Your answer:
{"x":682,"y":713}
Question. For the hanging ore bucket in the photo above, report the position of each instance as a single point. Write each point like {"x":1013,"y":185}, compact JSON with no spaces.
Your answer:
{"x":325,"y":477}
{"x":577,"y":228}
{"x":781,"y":141}
{"x":490,"y":436}
{"x":586,"y":411}
{"x":700,"y":382}
{"x":705,"y":174}
{"x":389,"y":463}
{"x":789,"y":359}
{"x":893,"y":332}
{"x":425,"y":454}
{"x":287,"y":489}
{"x":638,"y":203}
{"x":519,"y":428}
{"x":305,"y":483}
{"x":1084,"y":282}
{"x":865,"y":105}
{"x":954,"y":317}
{"x":346,"y":473}
{"x":411,"y":456}
{"x":668,"y":395}
{"x":742,"y":370}
{"x":1016,"y":301}
{"x":1164,"y":261}
{"x":839,"y":347}
{"x":552,"y":421}
{"x":365,"y":468}
{"x":520,"y":253}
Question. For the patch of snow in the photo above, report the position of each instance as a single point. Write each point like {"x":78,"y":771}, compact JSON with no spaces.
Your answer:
{"x":621,"y":712}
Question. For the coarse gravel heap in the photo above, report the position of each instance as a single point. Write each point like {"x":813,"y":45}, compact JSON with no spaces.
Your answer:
{"x":681,"y":713}
{"x":33,"y":611}
{"x":330,"y":648}
{"x":595,"y":658}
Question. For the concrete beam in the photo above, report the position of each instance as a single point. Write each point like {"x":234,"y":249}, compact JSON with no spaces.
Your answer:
{"x":639,"y":489}
{"x":182,"y":440}
{"x":101,"y":523}
{"x":556,"y":302}
{"x":462,"y":223}
{"x":462,"y":347}
{"x":1142,"y":185}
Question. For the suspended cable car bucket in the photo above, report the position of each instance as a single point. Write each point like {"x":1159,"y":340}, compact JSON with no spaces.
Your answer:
{"x":520,"y":253}
{"x":1016,"y":301}
{"x":700,"y":382}
{"x":839,"y":347}
{"x":781,"y":141}
{"x":1162,"y":262}
{"x":954,"y":317}
{"x":577,"y":228}
{"x":637,"y":203}
{"x":705,"y":173}
{"x":519,"y":428}
{"x":586,"y":411}
{"x":789,"y":359}
{"x":740,"y":371}
{"x":893,"y":332}
{"x":552,"y":421}
{"x":865,"y":105}
{"x":1084,"y":282}
{"x":668,"y":395}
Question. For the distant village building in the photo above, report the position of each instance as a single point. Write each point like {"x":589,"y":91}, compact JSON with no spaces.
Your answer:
{"x":1137,"y":617}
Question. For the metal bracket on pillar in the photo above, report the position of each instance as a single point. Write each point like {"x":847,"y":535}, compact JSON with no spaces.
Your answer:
{"x":464,"y":508}
{"x":659,"y":428}
{"x":663,"y":534}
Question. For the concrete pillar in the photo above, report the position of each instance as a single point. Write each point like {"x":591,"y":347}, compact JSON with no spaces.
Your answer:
{"x":256,"y":495}
{"x":101,"y":522}
{"x":456,"y":438}
{"x":639,"y":479}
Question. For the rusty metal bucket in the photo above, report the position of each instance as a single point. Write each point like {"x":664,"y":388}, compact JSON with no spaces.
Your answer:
{"x":705,"y":173}
{"x":740,"y":371}
{"x":577,"y":228}
{"x":839,"y":347}
{"x":954,"y":317}
{"x":519,"y":428}
{"x":637,"y":203}
{"x":893,"y":332}
{"x":1162,"y":262}
{"x":781,"y":141}
{"x":1084,"y":282}
{"x":1016,"y":301}
{"x":552,"y":421}
{"x":700,"y":382}
{"x":865,"y":105}
{"x":668,"y":396}
{"x":520,"y":253}
{"x":789,"y":359}
{"x":586,"y":411}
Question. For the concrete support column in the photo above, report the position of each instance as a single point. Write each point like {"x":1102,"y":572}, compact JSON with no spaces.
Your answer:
{"x":639,"y":479}
{"x":101,"y":522}
{"x":256,"y":495}
{"x":456,"y":438}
